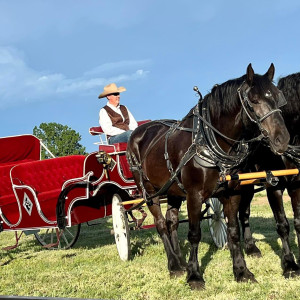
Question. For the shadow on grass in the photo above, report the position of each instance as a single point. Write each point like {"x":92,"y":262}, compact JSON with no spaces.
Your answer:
{"x":267,"y":228}
{"x":92,"y":237}
{"x":20,"y":252}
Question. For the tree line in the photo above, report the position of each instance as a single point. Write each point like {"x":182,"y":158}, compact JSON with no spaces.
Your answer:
{"x":61,"y":140}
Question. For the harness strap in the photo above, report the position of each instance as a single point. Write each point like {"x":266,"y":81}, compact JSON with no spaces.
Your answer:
{"x":185,"y":159}
{"x":269,"y":113}
{"x":245,"y":100}
{"x":166,"y":155}
{"x":293,"y":153}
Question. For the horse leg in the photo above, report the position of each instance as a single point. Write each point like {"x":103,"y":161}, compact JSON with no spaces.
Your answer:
{"x":174,"y":204}
{"x":244,"y":215}
{"x":194,"y":277}
{"x":295,"y":199}
{"x":289,"y":266}
{"x":240,"y":270}
{"x":174,"y":263}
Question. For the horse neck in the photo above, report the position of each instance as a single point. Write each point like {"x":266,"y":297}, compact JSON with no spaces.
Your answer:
{"x":229,"y":125}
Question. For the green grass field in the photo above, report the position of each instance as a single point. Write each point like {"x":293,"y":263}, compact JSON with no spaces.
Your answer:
{"x":92,"y":269}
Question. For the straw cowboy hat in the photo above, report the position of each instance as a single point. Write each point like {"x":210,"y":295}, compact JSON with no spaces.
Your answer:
{"x":111,"y":89}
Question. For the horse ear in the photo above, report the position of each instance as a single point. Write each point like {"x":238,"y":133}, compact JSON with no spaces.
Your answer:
{"x":270,"y":73}
{"x":250,"y":75}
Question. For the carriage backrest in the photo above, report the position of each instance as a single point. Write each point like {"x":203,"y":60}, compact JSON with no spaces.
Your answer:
{"x":16,"y":149}
{"x":48,"y":174}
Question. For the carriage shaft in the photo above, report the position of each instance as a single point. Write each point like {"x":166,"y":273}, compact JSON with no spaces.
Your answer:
{"x":258,"y":175}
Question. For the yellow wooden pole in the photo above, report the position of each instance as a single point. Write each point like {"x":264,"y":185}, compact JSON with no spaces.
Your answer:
{"x":135,"y":201}
{"x":250,"y":181}
{"x":257,"y":175}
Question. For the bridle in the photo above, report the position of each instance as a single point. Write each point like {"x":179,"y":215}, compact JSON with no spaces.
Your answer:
{"x":249,"y":110}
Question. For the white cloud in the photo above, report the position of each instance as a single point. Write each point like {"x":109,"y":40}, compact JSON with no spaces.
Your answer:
{"x":116,"y":66}
{"x":19,"y":83}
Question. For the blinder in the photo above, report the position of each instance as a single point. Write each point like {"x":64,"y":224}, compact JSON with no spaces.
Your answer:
{"x":281,"y":99}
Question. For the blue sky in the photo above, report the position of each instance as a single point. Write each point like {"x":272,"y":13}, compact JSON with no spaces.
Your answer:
{"x":57,"y":55}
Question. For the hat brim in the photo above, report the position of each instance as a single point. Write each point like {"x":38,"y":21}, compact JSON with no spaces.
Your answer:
{"x":106,"y":93}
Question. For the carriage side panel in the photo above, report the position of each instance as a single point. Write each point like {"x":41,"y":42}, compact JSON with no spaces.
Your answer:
{"x":38,"y":185}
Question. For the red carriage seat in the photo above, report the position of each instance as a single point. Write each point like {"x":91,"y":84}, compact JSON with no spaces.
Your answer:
{"x":15,"y":150}
{"x":47,"y":179}
{"x":119,"y":148}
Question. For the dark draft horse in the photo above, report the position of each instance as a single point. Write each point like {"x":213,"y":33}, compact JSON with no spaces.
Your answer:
{"x":264,"y":159}
{"x":155,"y":150}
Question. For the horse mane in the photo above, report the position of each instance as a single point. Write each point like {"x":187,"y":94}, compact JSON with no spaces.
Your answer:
{"x":220,"y":99}
{"x":224,"y":98}
{"x":290,"y":86}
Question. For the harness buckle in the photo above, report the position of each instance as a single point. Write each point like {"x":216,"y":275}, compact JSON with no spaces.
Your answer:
{"x":271,"y":179}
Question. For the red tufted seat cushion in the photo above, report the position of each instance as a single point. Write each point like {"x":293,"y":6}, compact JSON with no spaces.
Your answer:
{"x":50,"y":174}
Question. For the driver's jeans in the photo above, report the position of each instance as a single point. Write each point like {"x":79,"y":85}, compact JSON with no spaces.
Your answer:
{"x":120,"y":138}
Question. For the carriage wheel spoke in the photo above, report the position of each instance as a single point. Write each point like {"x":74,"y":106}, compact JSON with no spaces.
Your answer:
{"x":67,"y":239}
{"x":217,"y":225}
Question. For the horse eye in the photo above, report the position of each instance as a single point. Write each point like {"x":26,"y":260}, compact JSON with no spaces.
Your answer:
{"x":268,"y":94}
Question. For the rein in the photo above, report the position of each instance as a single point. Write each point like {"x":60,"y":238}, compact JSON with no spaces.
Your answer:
{"x":293,"y":153}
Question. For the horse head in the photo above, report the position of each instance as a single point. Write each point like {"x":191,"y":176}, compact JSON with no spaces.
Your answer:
{"x":261,"y":101}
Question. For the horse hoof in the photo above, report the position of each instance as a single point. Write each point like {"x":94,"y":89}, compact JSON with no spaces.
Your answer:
{"x":253,"y":251}
{"x":246,"y":277}
{"x":290,"y":268}
{"x":291,"y":274}
{"x":174,"y":274}
{"x":197,"y":285}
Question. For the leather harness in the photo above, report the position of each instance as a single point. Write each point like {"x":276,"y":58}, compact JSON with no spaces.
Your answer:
{"x":204,"y":148}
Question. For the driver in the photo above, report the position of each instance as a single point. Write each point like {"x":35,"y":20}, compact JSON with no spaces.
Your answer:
{"x":116,"y":120}
{"x":117,"y":123}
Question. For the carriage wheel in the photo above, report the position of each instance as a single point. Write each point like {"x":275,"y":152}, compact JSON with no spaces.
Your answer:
{"x":216,"y":222}
{"x":67,"y":238}
{"x":121,"y":228}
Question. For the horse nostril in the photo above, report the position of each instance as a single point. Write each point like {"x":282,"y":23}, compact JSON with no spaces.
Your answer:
{"x":281,"y":141}
{"x":278,"y":141}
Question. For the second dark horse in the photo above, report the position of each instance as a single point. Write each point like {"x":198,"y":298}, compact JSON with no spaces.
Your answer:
{"x":265,"y":160}
{"x":209,"y":142}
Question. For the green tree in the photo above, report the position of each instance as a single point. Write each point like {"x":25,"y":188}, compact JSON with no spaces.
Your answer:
{"x":61,"y":140}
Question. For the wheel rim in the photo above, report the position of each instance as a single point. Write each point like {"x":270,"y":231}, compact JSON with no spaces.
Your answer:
{"x":217,"y":224}
{"x":121,"y":228}
{"x":67,"y":238}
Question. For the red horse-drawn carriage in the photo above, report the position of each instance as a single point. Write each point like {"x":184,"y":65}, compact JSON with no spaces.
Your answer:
{"x":43,"y":196}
